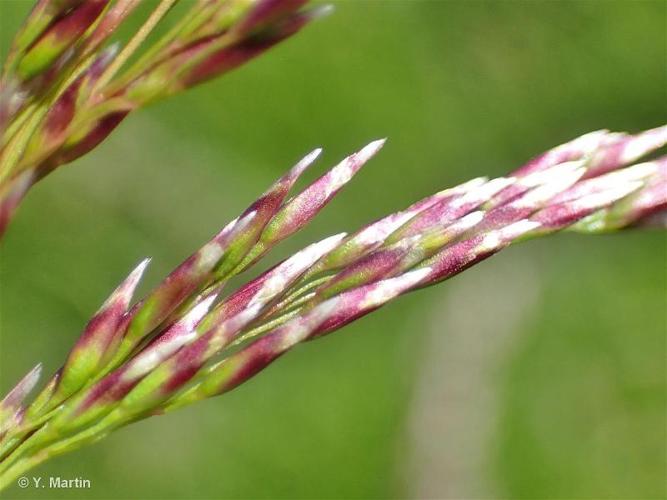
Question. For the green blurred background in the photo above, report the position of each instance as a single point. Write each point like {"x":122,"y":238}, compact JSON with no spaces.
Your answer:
{"x":538,"y":374}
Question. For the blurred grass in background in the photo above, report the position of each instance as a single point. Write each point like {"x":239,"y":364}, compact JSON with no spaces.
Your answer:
{"x":570,"y":403}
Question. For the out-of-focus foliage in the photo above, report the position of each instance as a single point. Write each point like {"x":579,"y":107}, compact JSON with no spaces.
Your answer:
{"x":461,"y":89}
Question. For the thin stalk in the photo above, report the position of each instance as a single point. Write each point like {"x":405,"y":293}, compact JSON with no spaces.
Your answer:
{"x":135,"y":42}
{"x":155,"y":49}
{"x":265,"y":327}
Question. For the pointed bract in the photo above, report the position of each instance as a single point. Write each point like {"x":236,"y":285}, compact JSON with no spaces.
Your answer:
{"x":12,"y":405}
{"x":98,"y":340}
{"x":302,"y":208}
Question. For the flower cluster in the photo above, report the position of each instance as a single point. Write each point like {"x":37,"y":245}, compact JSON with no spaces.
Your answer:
{"x":63,"y":89}
{"x":187,"y":341}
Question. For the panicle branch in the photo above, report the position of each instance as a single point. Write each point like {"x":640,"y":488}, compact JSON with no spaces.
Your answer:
{"x":186,"y":341}
{"x":62,"y":91}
